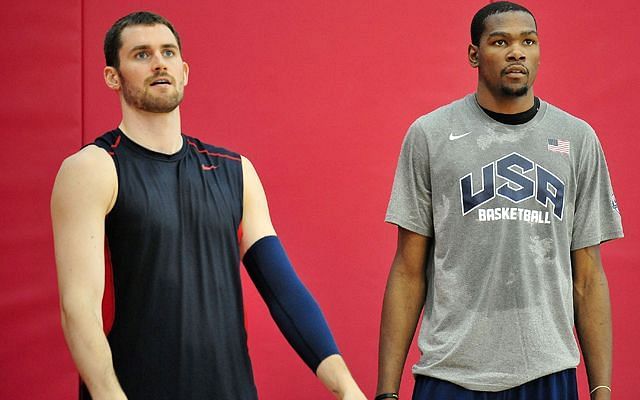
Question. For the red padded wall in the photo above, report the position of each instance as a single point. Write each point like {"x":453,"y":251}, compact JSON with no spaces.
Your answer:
{"x":41,"y":124}
{"x":318,"y":95}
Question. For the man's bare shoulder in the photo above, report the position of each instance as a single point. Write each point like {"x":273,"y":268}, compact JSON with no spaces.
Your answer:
{"x":89,"y":158}
{"x":247,"y":166}
{"x":87,"y":175}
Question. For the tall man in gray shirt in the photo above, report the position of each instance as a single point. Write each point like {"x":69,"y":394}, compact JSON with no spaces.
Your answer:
{"x":501,"y":201}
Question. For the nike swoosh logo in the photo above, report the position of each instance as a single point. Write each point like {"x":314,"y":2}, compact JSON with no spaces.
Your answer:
{"x":455,"y":137}
{"x":208,"y":167}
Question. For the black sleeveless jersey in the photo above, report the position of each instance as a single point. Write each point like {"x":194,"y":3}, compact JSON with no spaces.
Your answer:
{"x":178,"y":331}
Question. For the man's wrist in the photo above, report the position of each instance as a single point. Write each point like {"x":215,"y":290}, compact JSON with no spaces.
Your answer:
{"x":387,"y":395}
{"x":600,"y":392}
{"x":335,"y":375}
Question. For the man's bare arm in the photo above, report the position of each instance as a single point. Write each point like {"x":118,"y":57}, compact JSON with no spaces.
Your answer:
{"x":403,"y":301}
{"x":83,"y":193}
{"x":256,"y":224}
{"x":256,"y":220}
{"x":592,"y":309}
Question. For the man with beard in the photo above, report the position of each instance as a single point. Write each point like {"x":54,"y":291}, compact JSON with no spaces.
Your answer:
{"x":501,"y":202}
{"x":177,"y":215}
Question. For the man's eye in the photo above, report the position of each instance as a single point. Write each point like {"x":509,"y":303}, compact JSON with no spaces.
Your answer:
{"x":168,"y":53}
{"x":500,"y":42}
{"x":142,"y":55}
{"x":529,"y":42}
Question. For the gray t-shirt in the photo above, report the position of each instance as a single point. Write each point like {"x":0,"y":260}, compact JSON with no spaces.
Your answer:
{"x":504,"y":206}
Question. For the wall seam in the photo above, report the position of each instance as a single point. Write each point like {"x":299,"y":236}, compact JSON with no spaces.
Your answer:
{"x":82,"y":68}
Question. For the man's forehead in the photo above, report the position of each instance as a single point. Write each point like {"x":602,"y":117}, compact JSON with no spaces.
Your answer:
{"x":513,"y":22}
{"x":146,"y":35}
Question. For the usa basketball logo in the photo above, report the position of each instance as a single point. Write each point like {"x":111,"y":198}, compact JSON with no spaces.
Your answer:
{"x":515,"y":178}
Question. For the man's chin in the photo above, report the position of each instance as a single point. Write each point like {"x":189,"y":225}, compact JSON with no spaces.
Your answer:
{"x":160,"y":106}
{"x":163,"y":110}
{"x":514,"y":91}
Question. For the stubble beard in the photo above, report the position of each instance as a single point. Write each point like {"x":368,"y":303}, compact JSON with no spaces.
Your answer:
{"x":143,"y":100}
{"x":514,"y":92}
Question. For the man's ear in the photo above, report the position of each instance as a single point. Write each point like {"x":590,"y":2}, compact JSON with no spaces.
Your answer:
{"x":473,"y":55}
{"x":185,"y":71}
{"x":112,"y":78}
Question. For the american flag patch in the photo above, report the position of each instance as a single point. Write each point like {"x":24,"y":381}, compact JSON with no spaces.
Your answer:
{"x":614,"y":203}
{"x":558,"y":145}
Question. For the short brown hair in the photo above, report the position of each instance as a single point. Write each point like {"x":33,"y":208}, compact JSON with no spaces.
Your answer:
{"x":113,"y":42}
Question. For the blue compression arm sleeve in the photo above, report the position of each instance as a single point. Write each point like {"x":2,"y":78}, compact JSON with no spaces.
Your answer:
{"x":291,"y":305}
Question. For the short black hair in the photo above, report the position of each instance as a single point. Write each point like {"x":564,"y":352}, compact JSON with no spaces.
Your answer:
{"x":477,"y":23}
{"x":113,"y":42}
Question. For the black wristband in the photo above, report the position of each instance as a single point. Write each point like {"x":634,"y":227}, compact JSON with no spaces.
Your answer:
{"x":387,"y":396}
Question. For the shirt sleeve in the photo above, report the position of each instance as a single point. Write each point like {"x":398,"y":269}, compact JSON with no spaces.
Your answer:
{"x":410,"y":205}
{"x":597,"y":217}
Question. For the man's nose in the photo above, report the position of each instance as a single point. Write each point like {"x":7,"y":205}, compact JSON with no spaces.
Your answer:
{"x":158,"y":63}
{"x":516,"y":54}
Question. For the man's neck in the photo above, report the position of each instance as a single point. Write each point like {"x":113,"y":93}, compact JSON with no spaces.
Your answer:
{"x":504,"y":104}
{"x":159,"y":132}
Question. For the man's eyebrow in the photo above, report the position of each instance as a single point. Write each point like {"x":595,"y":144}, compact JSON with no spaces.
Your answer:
{"x":507,"y":34}
{"x":146,"y":47}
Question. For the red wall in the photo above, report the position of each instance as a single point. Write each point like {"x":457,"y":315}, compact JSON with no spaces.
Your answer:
{"x":318,"y":95}
{"x":40,"y":110}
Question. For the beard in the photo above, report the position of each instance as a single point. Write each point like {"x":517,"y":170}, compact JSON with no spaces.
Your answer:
{"x":142,"y":99}
{"x":514,"y":92}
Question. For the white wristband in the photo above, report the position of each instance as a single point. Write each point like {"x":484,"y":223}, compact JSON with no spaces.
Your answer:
{"x":600,"y":387}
